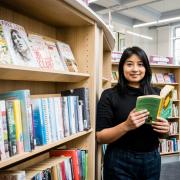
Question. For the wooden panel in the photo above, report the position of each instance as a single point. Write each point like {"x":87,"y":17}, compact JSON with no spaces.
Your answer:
{"x":41,"y":149}
{"x":52,"y":12}
{"x":11,"y":72}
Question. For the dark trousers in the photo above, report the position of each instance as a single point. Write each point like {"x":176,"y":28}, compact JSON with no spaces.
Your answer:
{"x":128,"y":165}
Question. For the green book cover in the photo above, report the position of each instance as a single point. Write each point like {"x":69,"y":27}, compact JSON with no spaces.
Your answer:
{"x":150,"y":102}
{"x":156,"y":105}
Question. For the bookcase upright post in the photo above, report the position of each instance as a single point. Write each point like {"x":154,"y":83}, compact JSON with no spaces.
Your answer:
{"x":59,"y":20}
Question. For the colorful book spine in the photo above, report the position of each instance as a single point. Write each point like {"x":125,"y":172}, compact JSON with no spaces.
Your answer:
{"x":39,"y":126}
{"x":2,"y":148}
{"x":18,"y":124}
{"x":5,"y":129}
{"x":11,"y":128}
{"x":26,"y":115}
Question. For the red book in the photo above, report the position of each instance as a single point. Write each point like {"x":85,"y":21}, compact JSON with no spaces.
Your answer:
{"x":62,"y":166}
{"x":75,"y":162}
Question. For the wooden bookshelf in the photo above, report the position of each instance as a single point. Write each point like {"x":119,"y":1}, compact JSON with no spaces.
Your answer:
{"x":10,"y":72}
{"x":41,"y":149}
{"x":80,"y":32}
{"x":176,"y":71}
{"x":104,"y":73}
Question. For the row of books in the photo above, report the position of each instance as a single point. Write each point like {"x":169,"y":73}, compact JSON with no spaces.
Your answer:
{"x":175,"y":110}
{"x":115,"y":75}
{"x":163,"y":78}
{"x":18,"y":48}
{"x":173,"y":128}
{"x":169,"y":145}
{"x":62,"y":164}
{"x":26,"y":122}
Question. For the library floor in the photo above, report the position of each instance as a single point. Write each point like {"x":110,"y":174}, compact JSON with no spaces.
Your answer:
{"x":170,"y":171}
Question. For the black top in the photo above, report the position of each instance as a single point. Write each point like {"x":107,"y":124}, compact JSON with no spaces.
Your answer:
{"x":114,"y":108}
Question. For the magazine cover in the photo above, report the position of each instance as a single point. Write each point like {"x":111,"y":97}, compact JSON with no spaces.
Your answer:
{"x":18,"y":44}
{"x":5,"y":57}
{"x":67,"y":56}
{"x":40,"y":51}
{"x":57,"y":61}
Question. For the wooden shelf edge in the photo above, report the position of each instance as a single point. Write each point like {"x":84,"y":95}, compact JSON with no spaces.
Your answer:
{"x":41,"y":149}
{"x":169,"y":153}
{"x":163,"y":84}
{"x":115,"y":63}
{"x":12,"y":72}
{"x":164,"y":66}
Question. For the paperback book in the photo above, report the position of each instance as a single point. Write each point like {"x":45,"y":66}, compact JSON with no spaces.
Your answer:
{"x":157,"y":105}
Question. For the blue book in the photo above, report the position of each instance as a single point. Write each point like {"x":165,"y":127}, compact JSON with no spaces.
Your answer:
{"x":26,"y":114}
{"x":39,"y":125}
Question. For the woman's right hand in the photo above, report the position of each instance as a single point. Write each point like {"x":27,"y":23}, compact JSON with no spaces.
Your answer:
{"x":136,"y":119}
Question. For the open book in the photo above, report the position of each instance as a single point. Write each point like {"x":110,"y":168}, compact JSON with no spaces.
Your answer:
{"x":157,"y":105}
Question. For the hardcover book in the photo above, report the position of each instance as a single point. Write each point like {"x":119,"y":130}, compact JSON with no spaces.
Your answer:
{"x":156,"y":105}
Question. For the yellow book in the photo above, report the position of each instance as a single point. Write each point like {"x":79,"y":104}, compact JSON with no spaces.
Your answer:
{"x":157,"y":105}
{"x":18,"y":124}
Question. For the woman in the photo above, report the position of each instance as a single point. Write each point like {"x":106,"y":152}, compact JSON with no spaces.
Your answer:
{"x":132,"y":152}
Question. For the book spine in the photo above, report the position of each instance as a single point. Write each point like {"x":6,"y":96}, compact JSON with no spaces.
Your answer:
{"x":27,"y":123}
{"x":5,"y":128}
{"x":2,"y":148}
{"x":11,"y":128}
{"x":65,"y":117}
{"x":18,"y":124}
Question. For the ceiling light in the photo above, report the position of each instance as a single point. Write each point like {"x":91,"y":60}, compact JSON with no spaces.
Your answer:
{"x":169,"y":19}
{"x":157,"y":22}
{"x":145,"y":24}
{"x":139,"y":35}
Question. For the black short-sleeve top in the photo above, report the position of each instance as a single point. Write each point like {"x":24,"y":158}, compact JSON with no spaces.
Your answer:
{"x":114,"y":108}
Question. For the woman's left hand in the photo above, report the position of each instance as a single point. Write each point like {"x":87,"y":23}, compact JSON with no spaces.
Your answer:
{"x":161,"y":125}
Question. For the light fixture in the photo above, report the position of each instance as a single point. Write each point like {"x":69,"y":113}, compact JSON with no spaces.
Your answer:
{"x":157,"y":22}
{"x":145,"y":24}
{"x":139,"y":35}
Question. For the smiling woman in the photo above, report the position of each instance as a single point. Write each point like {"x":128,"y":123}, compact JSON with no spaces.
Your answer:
{"x":132,"y":151}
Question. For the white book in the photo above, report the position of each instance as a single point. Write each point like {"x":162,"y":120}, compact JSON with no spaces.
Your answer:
{"x":46,"y":119}
{"x":52,"y":118}
{"x":2,"y":148}
{"x":18,"y":44}
{"x":71,"y":111}
{"x":56,"y":109}
{"x":57,"y":61}
{"x":59,"y":117}
{"x":65,"y":116}
{"x":80,"y":116}
{"x":41,"y":52}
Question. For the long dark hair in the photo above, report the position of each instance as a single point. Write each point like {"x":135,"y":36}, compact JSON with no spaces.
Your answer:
{"x":145,"y":83}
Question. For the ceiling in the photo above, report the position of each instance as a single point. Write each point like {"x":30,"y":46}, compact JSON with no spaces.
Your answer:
{"x":131,"y":12}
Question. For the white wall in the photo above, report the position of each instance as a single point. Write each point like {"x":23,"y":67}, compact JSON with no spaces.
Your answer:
{"x":164,"y":41}
{"x":149,"y":46}
{"x":161,"y":44}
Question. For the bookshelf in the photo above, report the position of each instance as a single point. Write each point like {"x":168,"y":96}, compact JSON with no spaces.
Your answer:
{"x":104,"y":73}
{"x":80,"y":32}
{"x":176,"y":71}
